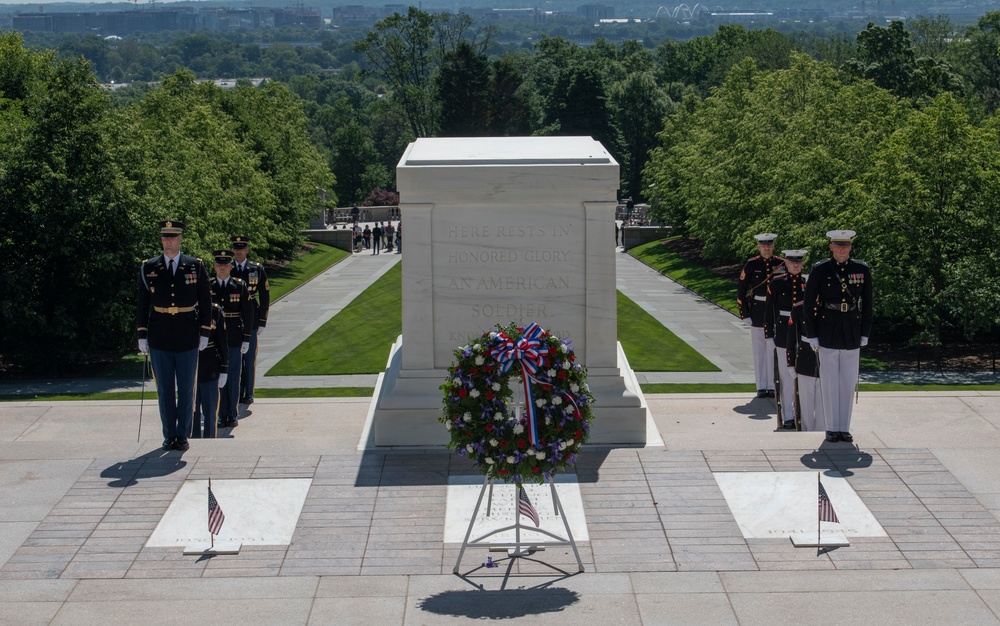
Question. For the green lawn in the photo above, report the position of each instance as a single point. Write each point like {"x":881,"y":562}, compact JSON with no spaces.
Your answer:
{"x":697,"y":278}
{"x":357,"y":340}
{"x":651,"y":347}
{"x":308,"y":265}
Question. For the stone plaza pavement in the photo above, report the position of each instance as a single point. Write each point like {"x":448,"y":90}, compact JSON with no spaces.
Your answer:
{"x":81,"y":498}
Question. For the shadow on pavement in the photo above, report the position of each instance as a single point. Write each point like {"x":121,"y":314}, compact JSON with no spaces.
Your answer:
{"x":503,"y":603}
{"x":757,"y":409}
{"x":837,"y":458}
{"x":153,"y":464}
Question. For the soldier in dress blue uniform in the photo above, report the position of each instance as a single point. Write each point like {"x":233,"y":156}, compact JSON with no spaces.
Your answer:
{"x":838,"y":321}
{"x":255,"y":277}
{"x":174,"y":315}
{"x":232,"y":295}
{"x":212,"y":367}
{"x":751,"y":295}
{"x":784,"y":293}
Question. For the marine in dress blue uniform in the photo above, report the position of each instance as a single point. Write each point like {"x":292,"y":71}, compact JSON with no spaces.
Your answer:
{"x":838,"y":322}
{"x":255,"y":277}
{"x":212,"y":367}
{"x":784,"y":293}
{"x":174,"y":321}
{"x":751,"y":295}
{"x":232,"y":296}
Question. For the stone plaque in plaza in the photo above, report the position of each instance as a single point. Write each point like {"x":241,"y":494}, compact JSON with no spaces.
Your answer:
{"x":499,"y":230}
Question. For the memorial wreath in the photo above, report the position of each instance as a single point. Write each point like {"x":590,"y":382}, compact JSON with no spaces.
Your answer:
{"x":485,"y":423}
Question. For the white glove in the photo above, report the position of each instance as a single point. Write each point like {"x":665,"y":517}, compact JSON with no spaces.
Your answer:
{"x":143,"y":346}
{"x":244,"y":347}
{"x":260,"y":331}
{"x":202,"y":343}
{"x":222,"y":380}
{"x":864,"y":341}
{"x":748,"y":322}
{"x":813,"y":342}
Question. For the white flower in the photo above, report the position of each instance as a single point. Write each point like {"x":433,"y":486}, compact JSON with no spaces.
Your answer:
{"x":493,"y":334}
{"x":586,"y":387}
{"x":477,"y":347}
{"x":562,"y":348}
{"x":540,"y":456}
{"x":496,"y":386}
{"x":463,"y":348}
{"x":562,"y":445}
{"x":467,"y":417}
{"x":480,"y":360}
{"x":548,"y":421}
{"x":474,"y":393}
{"x":447,"y":425}
{"x":569,"y":442}
{"x":469,"y":447}
{"x":566,"y":365}
{"x":490,"y":461}
{"x":499,"y":417}
{"x":574,"y":387}
{"x":518,"y":429}
{"x":494,"y":443}
{"x":551,"y":373}
{"x":569,"y":410}
{"x":556,"y":401}
{"x":530,"y":451}
{"x":511,"y":460}
{"x":456,"y":382}
{"x":540,"y":402}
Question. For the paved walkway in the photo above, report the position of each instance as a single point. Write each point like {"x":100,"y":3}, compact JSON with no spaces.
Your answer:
{"x":82,"y":498}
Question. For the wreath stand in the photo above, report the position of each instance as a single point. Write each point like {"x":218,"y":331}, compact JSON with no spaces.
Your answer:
{"x":518,"y":548}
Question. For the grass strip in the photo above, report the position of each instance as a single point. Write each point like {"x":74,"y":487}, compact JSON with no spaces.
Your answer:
{"x":749,"y":388}
{"x":652,"y":347}
{"x":356,"y":340}
{"x":697,"y":278}
{"x":311,"y":263}
{"x":295,"y":392}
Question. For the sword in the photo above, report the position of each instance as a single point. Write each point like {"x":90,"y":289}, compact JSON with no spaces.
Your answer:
{"x":142,"y":395}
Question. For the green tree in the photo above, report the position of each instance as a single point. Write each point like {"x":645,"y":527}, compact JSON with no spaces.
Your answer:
{"x":67,"y":214}
{"x":579,"y":105}
{"x":641,"y":106}
{"x":932,"y":220}
{"x":463,"y":91}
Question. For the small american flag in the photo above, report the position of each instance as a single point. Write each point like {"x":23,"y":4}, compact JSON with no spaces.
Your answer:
{"x":215,"y":515}
{"x":826,"y":512}
{"x":525,"y":508}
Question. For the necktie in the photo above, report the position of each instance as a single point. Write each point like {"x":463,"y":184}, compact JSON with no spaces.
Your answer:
{"x":170,"y":267}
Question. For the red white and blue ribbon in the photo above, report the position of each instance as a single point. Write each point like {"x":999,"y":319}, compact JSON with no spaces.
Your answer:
{"x":526,"y":352}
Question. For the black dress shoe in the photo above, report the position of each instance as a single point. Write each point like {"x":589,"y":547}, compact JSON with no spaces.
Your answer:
{"x":761,"y":393}
{"x":248,"y":401}
{"x":181,"y":444}
{"x":789,"y":425}
{"x":846,"y":437}
{"x":770,"y":393}
{"x":243,"y":400}
{"x":832,"y":437}
{"x":168,"y":443}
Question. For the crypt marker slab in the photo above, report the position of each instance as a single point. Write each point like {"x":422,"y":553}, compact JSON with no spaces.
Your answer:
{"x":463,"y":491}
{"x":259,"y":512}
{"x":770,"y":505}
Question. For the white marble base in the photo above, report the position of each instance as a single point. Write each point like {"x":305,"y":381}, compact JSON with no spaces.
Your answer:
{"x":406,"y":405}
{"x":258,"y":512}
{"x":463,"y":491}
{"x":781,"y":504}
{"x":205,"y":548}
{"x":829,"y":539}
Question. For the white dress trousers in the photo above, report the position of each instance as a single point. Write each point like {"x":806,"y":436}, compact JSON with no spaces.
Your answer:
{"x":787,"y":377}
{"x":838,"y":375}
{"x":811,"y":404}
{"x":763,"y":358}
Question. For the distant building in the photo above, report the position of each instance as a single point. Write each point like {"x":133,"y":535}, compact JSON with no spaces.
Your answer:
{"x":596,"y":12}
{"x":154,"y":20}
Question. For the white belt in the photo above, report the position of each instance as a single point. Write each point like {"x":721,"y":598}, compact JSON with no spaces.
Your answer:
{"x":784,"y":313}
{"x":761,"y":298}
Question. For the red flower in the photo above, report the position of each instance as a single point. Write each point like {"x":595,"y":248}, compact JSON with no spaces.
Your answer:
{"x":462,"y":393}
{"x":503,"y":443}
{"x":489,"y":395}
{"x":561,"y":374}
{"x":577,"y":435}
{"x":535,"y":470}
{"x":572,"y":357}
{"x":553,"y":350}
{"x":522,"y":444}
{"x":547,"y":387}
{"x":489,"y":428}
{"x":488,"y":368}
{"x":502,"y":472}
{"x":473,"y":371}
